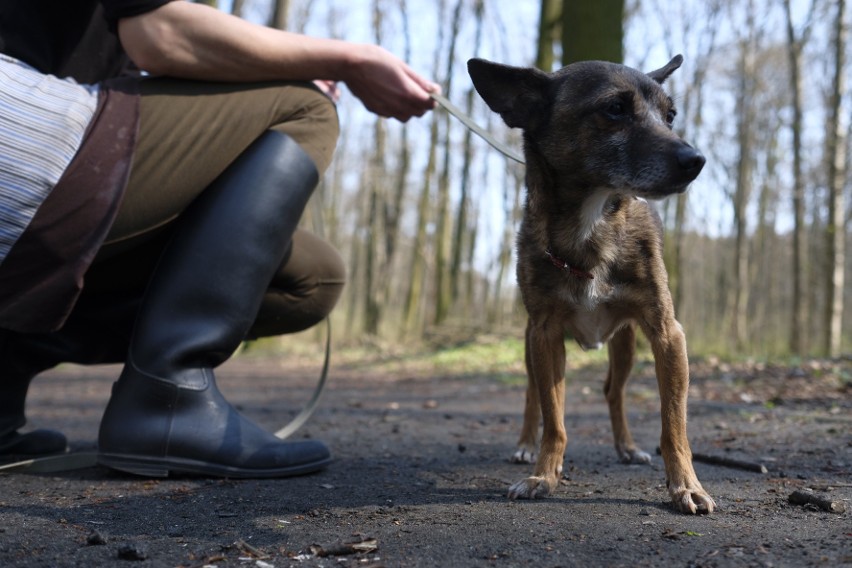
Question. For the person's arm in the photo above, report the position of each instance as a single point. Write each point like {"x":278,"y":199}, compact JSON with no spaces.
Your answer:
{"x":194,"y":41}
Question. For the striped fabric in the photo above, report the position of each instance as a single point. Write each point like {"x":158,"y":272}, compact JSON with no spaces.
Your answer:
{"x":42,"y":123}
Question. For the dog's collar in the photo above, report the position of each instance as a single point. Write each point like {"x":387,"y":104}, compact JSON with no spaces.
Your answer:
{"x":561,"y":264}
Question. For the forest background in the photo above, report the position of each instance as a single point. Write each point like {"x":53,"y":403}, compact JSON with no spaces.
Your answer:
{"x":425,"y":213}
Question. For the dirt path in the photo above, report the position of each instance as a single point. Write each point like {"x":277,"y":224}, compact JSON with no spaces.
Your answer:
{"x":421,"y":473}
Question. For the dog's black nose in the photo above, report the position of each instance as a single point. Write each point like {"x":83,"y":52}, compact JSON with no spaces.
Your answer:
{"x":690,"y":159}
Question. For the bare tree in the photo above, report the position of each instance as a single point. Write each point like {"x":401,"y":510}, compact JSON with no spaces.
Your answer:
{"x":464,"y":238}
{"x":417,"y":271}
{"x":443,"y":225}
{"x":795,"y":46}
{"x":836,"y":158}
{"x":746,"y":78}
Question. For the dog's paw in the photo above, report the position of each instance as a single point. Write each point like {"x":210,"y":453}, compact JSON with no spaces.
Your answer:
{"x":634,"y":456}
{"x":692,"y":500}
{"x":531,"y":488}
{"x":523,"y":455}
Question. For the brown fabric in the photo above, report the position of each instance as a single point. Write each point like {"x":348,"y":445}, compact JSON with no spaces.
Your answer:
{"x":42,"y":275}
{"x":190,"y":131}
{"x":304,"y":290}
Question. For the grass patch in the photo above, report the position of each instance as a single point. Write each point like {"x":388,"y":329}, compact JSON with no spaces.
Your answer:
{"x":497,"y":357}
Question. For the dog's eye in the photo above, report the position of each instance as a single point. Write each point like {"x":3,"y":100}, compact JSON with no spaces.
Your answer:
{"x":670,"y":116}
{"x":616,"y":110}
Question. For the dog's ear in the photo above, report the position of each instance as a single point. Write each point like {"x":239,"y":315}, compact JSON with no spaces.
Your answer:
{"x":661,"y":74}
{"x":515,"y":93}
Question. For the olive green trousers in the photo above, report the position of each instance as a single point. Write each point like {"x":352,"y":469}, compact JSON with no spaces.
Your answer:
{"x":189,"y":132}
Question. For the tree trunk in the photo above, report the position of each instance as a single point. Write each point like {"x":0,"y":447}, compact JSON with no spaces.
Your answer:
{"x":798,"y":331}
{"x":417,"y":270}
{"x":463,"y":239}
{"x":280,"y":10}
{"x":836,"y":229}
{"x":548,"y":33}
{"x":742,"y":193}
{"x":443,"y":231}
{"x":592,"y":29}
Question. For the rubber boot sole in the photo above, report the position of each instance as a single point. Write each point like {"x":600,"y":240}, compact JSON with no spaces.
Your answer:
{"x":163,"y":467}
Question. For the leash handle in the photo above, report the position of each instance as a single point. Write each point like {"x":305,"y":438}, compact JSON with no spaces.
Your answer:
{"x":475,"y":128}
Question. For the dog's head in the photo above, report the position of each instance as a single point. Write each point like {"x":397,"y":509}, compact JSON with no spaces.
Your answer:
{"x":597,"y":124}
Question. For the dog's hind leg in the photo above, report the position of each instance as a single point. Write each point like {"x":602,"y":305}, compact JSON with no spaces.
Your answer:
{"x":622,"y":356}
{"x":528,"y":443}
{"x":546,"y":345}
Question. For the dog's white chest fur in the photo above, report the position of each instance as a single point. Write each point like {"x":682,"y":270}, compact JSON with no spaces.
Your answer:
{"x":592,"y":328}
{"x":593,"y":319}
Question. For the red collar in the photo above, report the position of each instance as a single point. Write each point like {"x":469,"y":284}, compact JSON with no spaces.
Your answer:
{"x":561,"y":264}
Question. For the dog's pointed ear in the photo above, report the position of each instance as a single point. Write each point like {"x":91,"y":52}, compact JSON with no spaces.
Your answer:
{"x":515,"y":93}
{"x":661,"y":74}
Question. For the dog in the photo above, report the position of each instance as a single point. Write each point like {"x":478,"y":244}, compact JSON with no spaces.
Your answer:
{"x":598,"y":143}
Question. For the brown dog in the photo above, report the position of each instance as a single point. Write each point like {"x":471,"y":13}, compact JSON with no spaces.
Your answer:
{"x":598,"y":141}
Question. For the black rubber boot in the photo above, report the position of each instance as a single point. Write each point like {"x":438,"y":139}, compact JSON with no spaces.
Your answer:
{"x":94,"y":333}
{"x":17,"y":373}
{"x":166,"y":414}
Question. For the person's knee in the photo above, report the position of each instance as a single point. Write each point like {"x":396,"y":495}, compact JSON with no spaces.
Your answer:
{"x":304,"y":290}
{"x":313,"y":124}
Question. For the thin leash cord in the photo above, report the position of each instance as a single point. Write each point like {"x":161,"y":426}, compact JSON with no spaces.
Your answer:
{"x":475,"y":128}
{"x":312,"y":404}
{"x":299,"y":420}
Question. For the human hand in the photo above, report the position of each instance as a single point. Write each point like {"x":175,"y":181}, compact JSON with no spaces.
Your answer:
{"x":387,"y":85}
{"x":329,"y":89}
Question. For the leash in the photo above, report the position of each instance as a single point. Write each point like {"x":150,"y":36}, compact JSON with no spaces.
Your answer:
{"x":312,"y":404}
{"x":475,"y":128}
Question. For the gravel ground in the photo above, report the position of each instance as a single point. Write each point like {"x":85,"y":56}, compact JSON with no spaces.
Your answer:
{"x":421,"y":471}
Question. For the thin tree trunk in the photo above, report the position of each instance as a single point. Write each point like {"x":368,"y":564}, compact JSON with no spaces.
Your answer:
{"x":417,"y":270}
{"x":742,"y":192}
{"x":835,"y":229}
{"x":393,"y":206}
{"x":798,"y":331}
{"x":443,"y":229}
{"x":375,"y":260}
{"x":463,"y":239}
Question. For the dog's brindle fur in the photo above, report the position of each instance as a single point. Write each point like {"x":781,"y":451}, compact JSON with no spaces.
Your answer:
{"x":598,"y":141}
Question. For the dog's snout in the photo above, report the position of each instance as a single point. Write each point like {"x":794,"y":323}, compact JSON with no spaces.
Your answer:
{"x":690,"y":159}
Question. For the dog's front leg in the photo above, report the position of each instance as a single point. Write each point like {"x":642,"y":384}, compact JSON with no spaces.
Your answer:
{"x":547,"y":374}
{"x":669,"y":346}
{"x":528,"y":443}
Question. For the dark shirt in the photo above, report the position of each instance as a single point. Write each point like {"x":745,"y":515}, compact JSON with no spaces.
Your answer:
{"x":69,"y":38}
